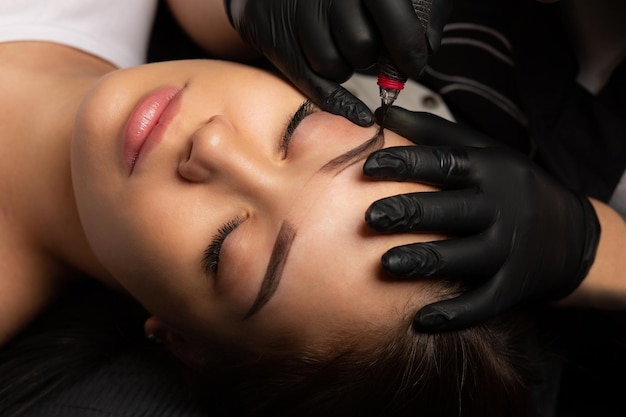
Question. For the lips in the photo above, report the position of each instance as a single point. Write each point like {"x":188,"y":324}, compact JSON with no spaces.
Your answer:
{"x":147,"y":123}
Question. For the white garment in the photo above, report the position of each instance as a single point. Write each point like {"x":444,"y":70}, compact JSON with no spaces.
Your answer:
{"x":114,"y":30}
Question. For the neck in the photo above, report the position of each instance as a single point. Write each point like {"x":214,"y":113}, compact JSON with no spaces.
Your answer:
{"x":44,"y":84}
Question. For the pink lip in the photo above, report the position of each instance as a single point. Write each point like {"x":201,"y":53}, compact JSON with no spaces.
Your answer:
{"x":147,"y":123}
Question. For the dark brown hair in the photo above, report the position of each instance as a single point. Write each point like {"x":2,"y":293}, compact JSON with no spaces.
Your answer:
{"x":487,"y":370}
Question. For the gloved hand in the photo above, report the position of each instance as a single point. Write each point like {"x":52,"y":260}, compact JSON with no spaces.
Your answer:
{"x":524,"y":235}
{"x":318,"y":44}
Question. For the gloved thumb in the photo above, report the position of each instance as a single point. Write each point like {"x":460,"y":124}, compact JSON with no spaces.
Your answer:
{"x":465,"y":310}
{"x":424,"y":128}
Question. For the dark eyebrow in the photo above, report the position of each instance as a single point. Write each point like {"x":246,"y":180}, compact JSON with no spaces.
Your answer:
{"x":354,"y":155}
{"x":287,"y":232}
{"x":275,"y":267}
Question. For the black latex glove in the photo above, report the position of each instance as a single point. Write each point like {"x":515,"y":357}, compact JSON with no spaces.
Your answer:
{"x":526,"y":236}
{"x":318,"y":44}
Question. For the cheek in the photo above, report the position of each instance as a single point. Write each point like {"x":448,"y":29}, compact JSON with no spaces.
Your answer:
{"x":101,"y":116}
{"x":144,"y":229}
{"x":154,"y":251}
{"x":96,"y":158}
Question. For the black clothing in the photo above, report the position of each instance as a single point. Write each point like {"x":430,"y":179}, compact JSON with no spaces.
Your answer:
{"x":506,"y":68}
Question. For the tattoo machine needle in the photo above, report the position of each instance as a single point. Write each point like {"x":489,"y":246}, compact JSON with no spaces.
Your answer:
{"x":390,"y":79}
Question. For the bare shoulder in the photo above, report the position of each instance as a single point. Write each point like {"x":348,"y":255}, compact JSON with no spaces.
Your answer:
{"x":28,"y":281}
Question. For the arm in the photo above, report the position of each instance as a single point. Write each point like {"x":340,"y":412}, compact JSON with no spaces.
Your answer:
{"x":205,"y":21}
{"x":605,"y":285}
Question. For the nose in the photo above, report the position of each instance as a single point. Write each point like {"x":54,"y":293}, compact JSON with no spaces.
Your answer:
{"x":219,"y":153}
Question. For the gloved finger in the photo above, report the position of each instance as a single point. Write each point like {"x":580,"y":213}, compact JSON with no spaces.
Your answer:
{"x":439,"y":14}
{"x":463,"y":311}
{"x":403,"y":36}
{"x":355,"y":34}
{"x":443,"y":166}
{"x":458,"y":211}
{"x":333,"y":98}
{"x":429,"y":129}
{"x":454,"y":257}
{"x":317,"y":43}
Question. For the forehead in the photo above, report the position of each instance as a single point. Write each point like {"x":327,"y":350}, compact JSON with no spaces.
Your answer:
{"x":333,"y":283}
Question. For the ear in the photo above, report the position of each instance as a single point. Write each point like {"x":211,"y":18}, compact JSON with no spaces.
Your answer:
{"x":184,"y":348}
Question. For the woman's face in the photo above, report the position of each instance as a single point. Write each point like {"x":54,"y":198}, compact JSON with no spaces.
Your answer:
{"x":192,"y":198}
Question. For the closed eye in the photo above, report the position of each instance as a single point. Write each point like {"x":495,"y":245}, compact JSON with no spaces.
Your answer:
{"x":211,"y":258}
{"x":307,"y":108}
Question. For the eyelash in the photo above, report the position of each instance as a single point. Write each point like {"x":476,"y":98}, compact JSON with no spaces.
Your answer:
{"x":303,"y":111}
{"x":212,"y":253}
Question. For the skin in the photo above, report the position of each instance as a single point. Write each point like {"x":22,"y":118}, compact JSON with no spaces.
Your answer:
{"x":219,"y":159}
{"x":145,"y":234}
